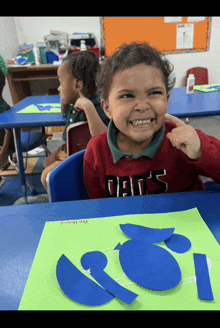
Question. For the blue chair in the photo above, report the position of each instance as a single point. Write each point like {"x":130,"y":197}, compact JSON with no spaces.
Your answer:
{"x":65,"y":182}
{"x":29,"y":141}
{"x":212,"y":186}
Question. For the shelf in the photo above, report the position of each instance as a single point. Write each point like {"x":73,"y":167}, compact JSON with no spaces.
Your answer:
{"x":35,"y":78}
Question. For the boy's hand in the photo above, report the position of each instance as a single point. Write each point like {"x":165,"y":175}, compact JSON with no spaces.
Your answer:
{"x":83,"y":103}
{"x":185,"y":138}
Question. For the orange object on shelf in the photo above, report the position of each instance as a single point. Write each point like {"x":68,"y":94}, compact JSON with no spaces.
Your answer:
{"x":94,"y":50}
{"x":55,"y":130}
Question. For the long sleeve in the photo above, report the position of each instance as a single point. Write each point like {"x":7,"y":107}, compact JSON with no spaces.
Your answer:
{"x":91,"y":172}
{"x":209,"y":163}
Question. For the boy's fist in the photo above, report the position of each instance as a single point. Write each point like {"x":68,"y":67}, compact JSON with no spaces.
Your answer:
{"x":185,"y":138}
{"x":83,"y":103}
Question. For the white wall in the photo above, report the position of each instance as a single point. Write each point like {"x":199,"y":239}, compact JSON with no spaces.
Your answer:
{"x":41,"y":26}
{"x":8,"y":48}
{"x":17,"y":30}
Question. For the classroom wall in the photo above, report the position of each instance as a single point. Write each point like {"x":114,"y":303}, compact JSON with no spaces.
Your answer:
{"x":8,"y":47}
{"x":209,"y":59}
{"x":41,"y":26}
{"x":32,"y":30}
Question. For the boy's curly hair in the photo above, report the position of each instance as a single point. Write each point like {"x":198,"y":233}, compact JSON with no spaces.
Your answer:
{"x":129,"y":55}
{"x":84,"y":66}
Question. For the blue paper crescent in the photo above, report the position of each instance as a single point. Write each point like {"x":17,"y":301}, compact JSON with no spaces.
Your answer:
{"x":149,"y":266}
{"x":78,"y":287}
{"x":147,"y":235}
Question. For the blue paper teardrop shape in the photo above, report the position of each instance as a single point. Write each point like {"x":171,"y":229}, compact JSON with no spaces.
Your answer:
{"x":149,"y":266}
{"x":178,"y":243}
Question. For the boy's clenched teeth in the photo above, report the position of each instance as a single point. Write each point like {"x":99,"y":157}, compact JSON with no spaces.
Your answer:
{"x":142,"y":122}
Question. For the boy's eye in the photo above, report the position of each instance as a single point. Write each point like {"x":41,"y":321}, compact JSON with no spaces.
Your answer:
{"x":127,"y":96}
{"x":156,"y":92}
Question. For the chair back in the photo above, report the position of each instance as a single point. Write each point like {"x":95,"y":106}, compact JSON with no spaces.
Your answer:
{"x":201,"y":75}
{"x":78,"y":136}
{"x":66,"y":182}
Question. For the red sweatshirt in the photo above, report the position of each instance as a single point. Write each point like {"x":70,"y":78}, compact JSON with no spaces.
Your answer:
{"x":169,"y":171}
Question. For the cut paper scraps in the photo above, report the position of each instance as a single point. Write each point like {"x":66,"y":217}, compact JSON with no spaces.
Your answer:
{"x":146,"y":264}
{"x":58,"y":280}
{"x":148,"y":235}
{"x":202,"y":277}
{"x":178,"y":243}
{"x":78,"y":287}
{"x":96,"y":262}
{"x":149,"y":266}
{"x":207,"y":87}
{"x":41,"y":109}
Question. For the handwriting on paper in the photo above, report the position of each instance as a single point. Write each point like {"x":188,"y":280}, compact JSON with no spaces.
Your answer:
{"x":74,"y":222}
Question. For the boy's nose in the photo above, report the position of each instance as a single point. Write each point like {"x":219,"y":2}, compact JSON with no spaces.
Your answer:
{"x":142,"y":105}
{"x":59,"y":88}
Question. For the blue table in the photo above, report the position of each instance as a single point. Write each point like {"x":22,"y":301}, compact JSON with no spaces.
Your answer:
{"x":10,"y":119}
{"x":199,"y":104}
{"x":21,"y":228}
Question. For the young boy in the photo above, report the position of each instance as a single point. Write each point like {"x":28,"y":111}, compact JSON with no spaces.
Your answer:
{"x":6,"y":136}
{"x":141,"y":153}
{"x":77,"y":89}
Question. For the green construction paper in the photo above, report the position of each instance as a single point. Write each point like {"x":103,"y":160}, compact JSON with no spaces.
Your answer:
{"x":32,"y":109}
{"x":75,"y":238}
{"x":205,"y":87}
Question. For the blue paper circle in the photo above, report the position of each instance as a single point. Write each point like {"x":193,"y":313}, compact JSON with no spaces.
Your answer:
{"x":94,"y":260}
{"x":178,"y":243}
{"x":149,"y":265}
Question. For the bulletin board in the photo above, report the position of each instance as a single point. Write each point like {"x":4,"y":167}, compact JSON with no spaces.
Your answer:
{"x":160,"y":35}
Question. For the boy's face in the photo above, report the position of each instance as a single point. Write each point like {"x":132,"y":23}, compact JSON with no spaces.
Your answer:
{"x":137,"y":103}
{"x":67,"y":88}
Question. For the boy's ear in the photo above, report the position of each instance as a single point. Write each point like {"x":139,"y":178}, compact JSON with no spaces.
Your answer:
{"x":106,"y":108}
{"x":79,"y":85}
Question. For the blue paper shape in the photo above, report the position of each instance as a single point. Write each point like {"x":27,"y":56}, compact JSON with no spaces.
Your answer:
{"x":149,"y":265}
{"x":96,"y":262}
{"x":78,"y":287}
{"x":148,"y":235}
{"x":42,"y":108}
{"x":202,"y":277}
{"x":178,"y":243}
{"x":217,"y":87}
{"x":117,"y":247}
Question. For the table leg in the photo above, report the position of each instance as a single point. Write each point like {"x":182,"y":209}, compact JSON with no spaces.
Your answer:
{"x":17,"y":139}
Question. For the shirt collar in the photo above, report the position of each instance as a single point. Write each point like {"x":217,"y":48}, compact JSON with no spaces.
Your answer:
{"x":150,"y":151}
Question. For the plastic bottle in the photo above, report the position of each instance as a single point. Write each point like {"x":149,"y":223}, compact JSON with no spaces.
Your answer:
{"x":190,"y":82}
{"x":36,"y":55}
{"x":82,"y":45}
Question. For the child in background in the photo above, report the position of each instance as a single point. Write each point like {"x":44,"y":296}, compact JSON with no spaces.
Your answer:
{"x":77,"y":89}
{"x":6,"y":136}
{"x":141,"y":153}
